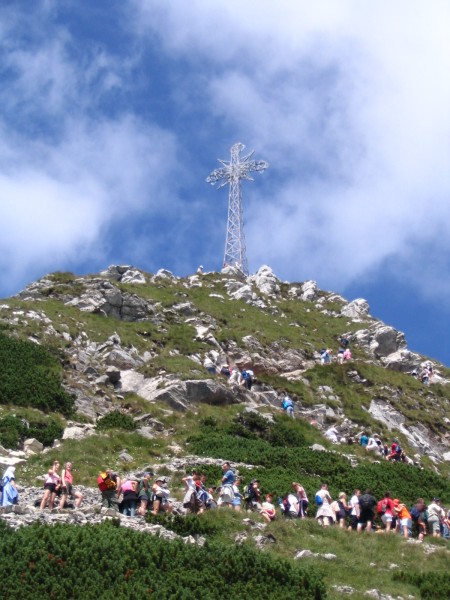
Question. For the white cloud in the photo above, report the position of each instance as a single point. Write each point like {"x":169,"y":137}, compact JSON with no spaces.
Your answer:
{"x":349,"y":102}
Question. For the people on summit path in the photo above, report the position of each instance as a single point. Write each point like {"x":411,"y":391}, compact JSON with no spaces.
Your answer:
{"x":10,"y":494}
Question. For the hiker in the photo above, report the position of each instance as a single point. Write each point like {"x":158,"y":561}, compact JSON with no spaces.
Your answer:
{"x":210,"y":366}
{"x":253,"y":496}
{"x":52,"y":485}
{"x":367,"y":504}
{"x":404,"y":522}
{"x":374,"y":445}
{"x":340,"y":355}
{"x":247,"y":378}
{"x":354,"y":510}
{"x":10,"y":494}
{"x":419,"y":516}
{"x":436,"y":516}
{"x":325,"y":514}
{"x":344,"y":342}
{"x":347,"y":354}
{"x":288,"y":405}
{"x":226,"y":490}
{"x":237,"y":498}
{"x":145,"y":493}
{"x":425,"y":376}
{"x":396,"y":451}
{"x":325,"y":356}
{"x":342,"y":509}
{"x":268,"y":511}
{"x":225,"y":370}
{"x":129,"y":489}
{"x":385,"y":510}
{"x":108,"y":483}
{"x":190,"y":500}
{"x":235,"y":376}
{"x":364,"y":439}
{"x":160,"y":496}
{"x":302,"y":499}
{"x":67,"y":487}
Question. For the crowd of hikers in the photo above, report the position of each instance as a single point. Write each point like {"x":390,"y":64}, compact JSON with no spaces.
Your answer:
{"x":150,"y":494}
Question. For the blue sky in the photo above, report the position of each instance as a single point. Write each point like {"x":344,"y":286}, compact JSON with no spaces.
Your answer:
{"x":113,"y":113}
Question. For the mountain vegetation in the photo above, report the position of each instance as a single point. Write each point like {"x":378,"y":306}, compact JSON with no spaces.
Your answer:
{"x":119,"y":361}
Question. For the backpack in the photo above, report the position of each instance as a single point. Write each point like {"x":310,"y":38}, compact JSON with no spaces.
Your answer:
{"x":365,"y":502}
{"x":398,"y":449}
{"x":318,"y":500}
{"x":415,"y":513}
{"x":248,"y":492}
{"x":105,"y":482}
{"x":381,"y":507}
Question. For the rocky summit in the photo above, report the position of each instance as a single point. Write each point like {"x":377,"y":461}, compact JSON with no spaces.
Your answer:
{"x":142,"y":372}
{"x":126,"y":332}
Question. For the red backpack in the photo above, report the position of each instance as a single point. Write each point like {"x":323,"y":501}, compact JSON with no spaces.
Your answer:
{"x":105,"y":482}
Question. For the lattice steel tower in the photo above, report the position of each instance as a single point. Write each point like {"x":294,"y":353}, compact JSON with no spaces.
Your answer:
{"x":232,"y":172}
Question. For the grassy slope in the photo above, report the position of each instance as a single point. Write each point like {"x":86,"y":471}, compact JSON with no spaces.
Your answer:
{"x":234,"y":320}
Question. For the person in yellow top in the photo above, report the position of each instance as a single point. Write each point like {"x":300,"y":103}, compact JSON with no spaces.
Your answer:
{"x":404,"y":520}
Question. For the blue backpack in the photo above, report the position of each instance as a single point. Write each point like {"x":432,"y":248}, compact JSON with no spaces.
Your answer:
{"x":318,"y":500}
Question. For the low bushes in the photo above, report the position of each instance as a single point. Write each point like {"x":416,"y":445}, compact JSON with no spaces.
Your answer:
{"x":101,"y":561}
{"x":31,"y":377}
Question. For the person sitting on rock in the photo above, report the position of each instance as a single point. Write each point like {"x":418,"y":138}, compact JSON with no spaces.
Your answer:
{"x":347,"y":354}
{"x":268,"y":511}
{"x":52,"y":485}
{"x":374,"y":445}
{"x":160,"y":496}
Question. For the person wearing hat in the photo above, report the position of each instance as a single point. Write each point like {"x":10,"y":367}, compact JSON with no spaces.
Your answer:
{"x":144,"y":493}
{"x":160,"y":496}
{"x":436,"y":515}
